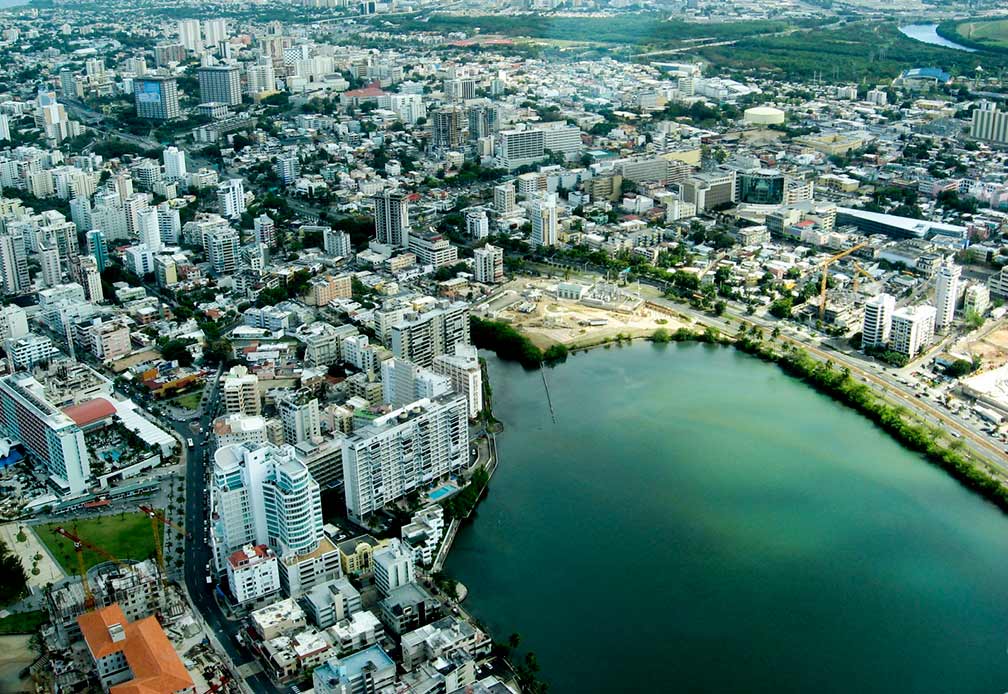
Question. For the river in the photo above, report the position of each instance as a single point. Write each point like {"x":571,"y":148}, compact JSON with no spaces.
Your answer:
{"x":928,"y":33}
{"x":698,"y":521}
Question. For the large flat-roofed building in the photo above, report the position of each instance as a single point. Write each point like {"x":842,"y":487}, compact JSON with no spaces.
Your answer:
{"x":405,"y":450}
{"x":364,"y":672}
{"x":710,"y":191}
{"x":869,"y":223}
{"x":220,"y":84}
{"x":516,"y":148}
{"x":51,"y":437}
{"x":156,"y":98}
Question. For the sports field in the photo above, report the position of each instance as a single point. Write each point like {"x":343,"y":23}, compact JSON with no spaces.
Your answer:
{"x":124,"y":536}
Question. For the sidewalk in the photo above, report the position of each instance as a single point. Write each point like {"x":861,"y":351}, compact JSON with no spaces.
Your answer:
{"x":49,"y":570}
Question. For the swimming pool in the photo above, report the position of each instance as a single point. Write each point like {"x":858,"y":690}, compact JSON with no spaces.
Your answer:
{"x":441,"y":492}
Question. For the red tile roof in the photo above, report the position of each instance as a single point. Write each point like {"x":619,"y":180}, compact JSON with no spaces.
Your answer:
{"x":373,"y":89}
{"x":156,"y":667}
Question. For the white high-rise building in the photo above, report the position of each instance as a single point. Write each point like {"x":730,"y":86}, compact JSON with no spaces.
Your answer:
{"x":190,"y":35}
{"x":265,"y":230}
{"x":404,"y":382}
{"x":946,"y":294}
{"x":262,"y":494}
{"x":477,"y":224}
{"x":912,"y":330}
{"x":51,"y":437}
{"x":466,"y":375}
{"x":391,"y":214}
{"x":231,"y":198}
{"x":214,"y":31}
{"x":421,"y":337}
{"x":504,"y":199}
{"x":336,"y":242}
{"x":148,"y":231}
{"x":90,"y":279}
{"x":543,"y":210}
{"x":488,"y":264}
{"x":14,"y":277}
{"x":4,"y":127}
{"x":260,"y":76}
{"x":877,"y":321}
{"x":405,"y":450}
{"x":49,"y":263}
{"x":299,"y":414}
{"x":241,"y":392}
{"x":175,"y":164}
{"x":169,"y":223}
{"x":222,"y":250}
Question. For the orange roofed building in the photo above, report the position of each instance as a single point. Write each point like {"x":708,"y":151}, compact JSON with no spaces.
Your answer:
{"x":133,"y":657}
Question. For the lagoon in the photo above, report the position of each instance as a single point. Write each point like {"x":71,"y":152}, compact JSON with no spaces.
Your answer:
{"x":696,"y":520}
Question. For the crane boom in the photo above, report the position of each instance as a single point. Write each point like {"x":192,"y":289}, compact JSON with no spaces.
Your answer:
{"x":825,"y":273}
{"x":79,"y":544}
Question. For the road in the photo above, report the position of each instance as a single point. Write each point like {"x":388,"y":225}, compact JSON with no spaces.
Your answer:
{"x":197,"y":548}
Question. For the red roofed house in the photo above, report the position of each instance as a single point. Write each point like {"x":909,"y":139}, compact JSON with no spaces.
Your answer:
{"x":133,"y":657}
{"x":253,"y":574}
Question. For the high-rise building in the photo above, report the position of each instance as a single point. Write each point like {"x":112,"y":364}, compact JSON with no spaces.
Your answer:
{"x":336,"y":242}
{"x":287,"y":168}
{"x":90,"y":279}
{"x":241,"y":392}
{"x":220,"y":84}
{"x":4,"y":127}
{"x":405,"y":450}
{"x":49,"y":264}
{"x":912,"y":330}
{"x":156,"y":98}
{"x":169,"y":52}
{"x":477,"y":224}
{"x":214,"y":31}
{"x":222,"y":250}
{"x":404,"y":382}
{"x":261,"y":494}
{"x":543,"y":211}
{"x":97,"y":248}
{"x":260,"y":76}
{"x":14,"y":277}
{"x":190,"y":35}
{"x":231,"y":198}
{"x":877,"y":321}
{"x":421,"y":337}
{"x":265,"y":230}
{"x":299,"y":414}
{"x":175,"y":164}
{"x":391,"y":214}
{"x":51,"y":438}
{"x":488,"y":264}
{"x":504,"y":199}
{"x":169,"y":223}
{"x":148,"y":232}
{"x":517,"y":148}
{"x":946,"y":294}
{"x":80,"y":213}
{"x":989,"y":123}
{"x":446,"y":128}
{"x":466,"y":374}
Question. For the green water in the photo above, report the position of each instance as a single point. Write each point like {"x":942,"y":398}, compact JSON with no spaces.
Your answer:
{"x":698,"y":521}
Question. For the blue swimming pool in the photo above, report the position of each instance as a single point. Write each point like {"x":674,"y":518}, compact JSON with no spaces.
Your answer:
{"x":440,"y":492}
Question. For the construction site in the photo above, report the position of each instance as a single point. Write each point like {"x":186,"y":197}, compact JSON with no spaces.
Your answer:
{"x":575,"y":313}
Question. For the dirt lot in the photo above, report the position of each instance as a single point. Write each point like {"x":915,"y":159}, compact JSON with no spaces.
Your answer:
{"x":568,"y":322}
{"x":992,"y":347}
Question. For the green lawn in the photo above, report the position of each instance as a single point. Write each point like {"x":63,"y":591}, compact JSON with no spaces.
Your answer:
{"x":991,"y":33}
{"x":23,"y":623}
{"x":124,"y":536}
{"x":190,"y":401}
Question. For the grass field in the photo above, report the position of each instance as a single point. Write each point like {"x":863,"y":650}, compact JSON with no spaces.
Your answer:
{"x":23,"y":622}
{"x":990,"y":33}
{"x":124,"y":536}
{"x":189,"y":401}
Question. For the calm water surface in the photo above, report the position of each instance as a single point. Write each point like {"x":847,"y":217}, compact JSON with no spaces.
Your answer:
{"x":698,"y":521}
{"x":928,"y":33}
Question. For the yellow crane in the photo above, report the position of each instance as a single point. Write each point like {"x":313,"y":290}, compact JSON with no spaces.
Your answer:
{"x":79,"y":544}
{"x":858,"y":273}
{"x":825,"y":273}
{"x":156,"y":517}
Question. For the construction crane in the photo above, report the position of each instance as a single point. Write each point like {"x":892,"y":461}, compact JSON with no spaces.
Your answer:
{"x":79,"y":545}
{"x":825,"y":273}
{"x":858,"y":273}
{"x":156,"y":517}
